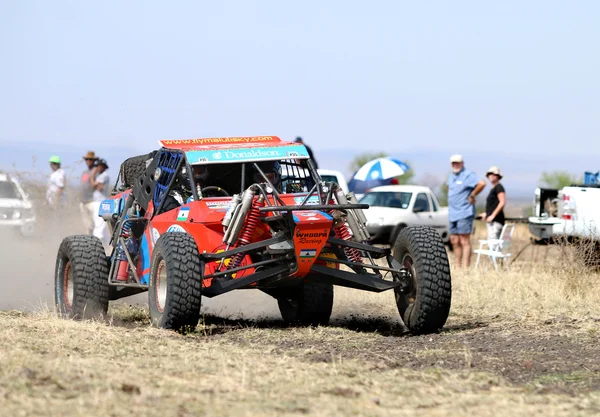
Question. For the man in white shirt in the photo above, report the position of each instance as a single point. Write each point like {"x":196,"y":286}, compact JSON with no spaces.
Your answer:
{"x":56,"y":184}
{"x":100,"y":183}
{"x":86,"y":204}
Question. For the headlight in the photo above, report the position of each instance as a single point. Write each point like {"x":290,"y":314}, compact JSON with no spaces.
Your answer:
{"x":22,"y":214}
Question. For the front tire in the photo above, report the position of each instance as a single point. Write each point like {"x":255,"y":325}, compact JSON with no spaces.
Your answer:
{"x":425,"y":304}
{"x":81,"y":288}
{"x":175,"y":290}
{"x":309,"y":304}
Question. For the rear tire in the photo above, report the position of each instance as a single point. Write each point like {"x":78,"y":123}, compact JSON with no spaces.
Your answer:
{"x":309,"y":304}
{"x":81,"y":288}
{"x":424,"y":306}
{"x":175,"y":290}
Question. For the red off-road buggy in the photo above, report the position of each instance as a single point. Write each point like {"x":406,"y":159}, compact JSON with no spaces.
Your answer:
{"x":202,"y":217}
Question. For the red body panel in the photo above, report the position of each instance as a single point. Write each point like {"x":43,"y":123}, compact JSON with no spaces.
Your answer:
{"x":202,"y":219}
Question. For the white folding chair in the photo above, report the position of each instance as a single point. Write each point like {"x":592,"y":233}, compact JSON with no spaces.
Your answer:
{"x":496,"y":248}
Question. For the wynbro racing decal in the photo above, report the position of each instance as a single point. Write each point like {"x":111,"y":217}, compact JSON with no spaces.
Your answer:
{"x":247,"y":154}
{"x":317,"y":237}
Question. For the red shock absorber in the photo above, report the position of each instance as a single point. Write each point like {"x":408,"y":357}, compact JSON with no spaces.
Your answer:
{"x":342,"y":232}
{"x":252,"y":222}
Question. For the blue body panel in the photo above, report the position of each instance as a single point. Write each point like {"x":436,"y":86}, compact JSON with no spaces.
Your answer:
{"x":145,"y":255}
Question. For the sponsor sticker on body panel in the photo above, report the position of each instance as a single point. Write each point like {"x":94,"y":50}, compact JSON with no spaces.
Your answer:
{"x":308,"y":253}
{"x":247,"y":154}
{"x":176,"y":229}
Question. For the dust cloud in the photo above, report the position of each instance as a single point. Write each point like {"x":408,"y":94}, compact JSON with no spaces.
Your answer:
{"x":27,"y":279}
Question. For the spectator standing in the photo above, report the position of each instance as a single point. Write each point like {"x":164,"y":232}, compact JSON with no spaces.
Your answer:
{"x":86,"y":206}
{"x":463,"y":187}
{"x":100,"y":182}
{"x":55,"y":192}
{"x":495,"y":203}
{"x":310,"y":152}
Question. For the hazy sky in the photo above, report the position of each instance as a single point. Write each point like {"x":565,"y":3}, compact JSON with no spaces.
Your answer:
{"x":445,"y":75}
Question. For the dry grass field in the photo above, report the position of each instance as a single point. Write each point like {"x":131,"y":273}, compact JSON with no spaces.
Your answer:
{"x":522,"y":342}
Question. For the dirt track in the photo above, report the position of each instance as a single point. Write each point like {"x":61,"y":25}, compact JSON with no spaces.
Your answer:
{"x":559,"y":356}
{"x":553,"y":354}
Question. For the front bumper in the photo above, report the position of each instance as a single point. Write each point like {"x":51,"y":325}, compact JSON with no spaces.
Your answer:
{"x":379,"y":233}
{"x":25,"y":226}
{"x":543,"y":227}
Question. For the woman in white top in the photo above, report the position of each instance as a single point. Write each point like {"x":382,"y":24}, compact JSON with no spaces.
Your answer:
{"x":56,"y":183}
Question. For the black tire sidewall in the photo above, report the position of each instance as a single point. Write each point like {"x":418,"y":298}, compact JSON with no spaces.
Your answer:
{"x":395,"y":233}
{"x":89,"y":279}
{"x":180,"y":310}
{"x":404,"y":308}
{"x":157,"y":317}
{"x":59,"y":284}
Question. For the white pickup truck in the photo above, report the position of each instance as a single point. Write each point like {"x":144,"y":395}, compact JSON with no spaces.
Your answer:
{"x":393,"y":207}
{"x":569,"y":212}
{"x":16,"y":209}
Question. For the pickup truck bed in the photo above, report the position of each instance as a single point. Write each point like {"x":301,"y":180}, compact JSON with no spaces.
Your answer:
{"x":576,"y":214}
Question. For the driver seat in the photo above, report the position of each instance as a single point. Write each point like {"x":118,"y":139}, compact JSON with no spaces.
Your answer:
{"x":226,"y":176}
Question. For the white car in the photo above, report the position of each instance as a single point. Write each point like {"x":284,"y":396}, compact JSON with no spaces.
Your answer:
{"x":334,"y":176}
{"x":16,"y":210}
{"x":393,"y":207}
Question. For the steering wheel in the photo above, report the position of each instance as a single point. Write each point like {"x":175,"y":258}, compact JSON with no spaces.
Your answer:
{"x":214,"y":189}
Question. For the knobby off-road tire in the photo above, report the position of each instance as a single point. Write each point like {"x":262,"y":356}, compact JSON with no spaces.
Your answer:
{"x":81,"y":288}
{"x":425,"y":304}
{"x":175,"y":290}
{"x":309,"y":304}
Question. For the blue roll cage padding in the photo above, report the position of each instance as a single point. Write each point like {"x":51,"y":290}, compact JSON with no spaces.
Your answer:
{"x":168,"y":163}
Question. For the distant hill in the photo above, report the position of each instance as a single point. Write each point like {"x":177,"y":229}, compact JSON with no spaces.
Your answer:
{"x":522,"y":171}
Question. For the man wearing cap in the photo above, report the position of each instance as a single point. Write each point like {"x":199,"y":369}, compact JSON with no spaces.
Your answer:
{"x":56,"y":183}
{"x":463,"y":187}
{"x":85,"y":191}
{"x":99,"y":181}
{"x":494,"y":207}
{"x":310,"y":152}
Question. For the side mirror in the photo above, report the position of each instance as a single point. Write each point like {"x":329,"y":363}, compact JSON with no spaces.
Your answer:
{"x":418,"y":209}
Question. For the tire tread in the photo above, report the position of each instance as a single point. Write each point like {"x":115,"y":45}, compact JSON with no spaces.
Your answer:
{"x":434,"y":287}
